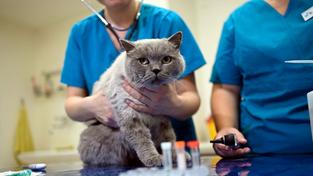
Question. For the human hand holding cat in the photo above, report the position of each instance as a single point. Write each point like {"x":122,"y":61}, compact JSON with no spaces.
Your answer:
{"x":102,"y":109}
{"x":161,"y":101}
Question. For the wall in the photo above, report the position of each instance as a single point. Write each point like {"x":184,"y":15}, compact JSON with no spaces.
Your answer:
{"x":50,"y":43}
{"x":27,"y":52}
{"x":16,"y":55}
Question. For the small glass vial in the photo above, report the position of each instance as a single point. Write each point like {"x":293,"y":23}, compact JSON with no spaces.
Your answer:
{"x":167,"y":155}
{"x":195,"y":153}
{"x":180,"y":152}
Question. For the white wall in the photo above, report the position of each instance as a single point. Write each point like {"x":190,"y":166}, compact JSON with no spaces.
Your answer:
{"x":50,"y":43}
{"x":27,"y":52}
{"x":16,"y":55}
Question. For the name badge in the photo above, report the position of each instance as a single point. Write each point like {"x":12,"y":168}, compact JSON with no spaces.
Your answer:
{"x":308,"y":14}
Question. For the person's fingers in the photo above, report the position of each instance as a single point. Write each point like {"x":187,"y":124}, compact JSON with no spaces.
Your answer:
{"x":239,"y":152}
{"x":112,"y":123}
{"x":136,"y":94}
{"x":139,"y":107}
{"x":241,"y":139}
{"x":226,"y":151}
{"x":221,"y":149}
{"x":246,"y":150}
{"x":148,"y":92}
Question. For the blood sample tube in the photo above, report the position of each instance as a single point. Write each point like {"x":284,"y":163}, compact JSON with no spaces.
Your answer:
{"x":167,"y":155}
{"x":180,"y":152}
{"x":195,"y":153}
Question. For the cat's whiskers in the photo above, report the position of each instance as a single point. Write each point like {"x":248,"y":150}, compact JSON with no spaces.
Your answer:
{"x":139,"y":83}
{"x":148,"y":78}
{"x":166,"y":77}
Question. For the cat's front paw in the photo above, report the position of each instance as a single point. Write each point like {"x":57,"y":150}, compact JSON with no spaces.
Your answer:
{"x":153,"y":161}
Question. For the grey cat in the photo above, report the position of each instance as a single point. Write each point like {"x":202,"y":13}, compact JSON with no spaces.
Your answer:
{"x":145,"y":63}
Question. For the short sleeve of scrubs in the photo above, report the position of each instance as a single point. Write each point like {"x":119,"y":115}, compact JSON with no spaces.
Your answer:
{"x":225,"y":70}
{"x":172,"y":23}
{"x":72,"y":73}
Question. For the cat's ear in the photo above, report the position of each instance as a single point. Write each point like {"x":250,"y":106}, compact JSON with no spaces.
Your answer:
{"x":176,"y":39}
{"x":127,"y":45}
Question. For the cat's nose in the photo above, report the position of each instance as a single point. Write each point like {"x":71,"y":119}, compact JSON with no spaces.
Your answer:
{"x":156,"y":71}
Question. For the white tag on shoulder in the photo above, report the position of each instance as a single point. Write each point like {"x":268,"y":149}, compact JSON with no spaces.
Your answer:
{"x":308,"y":14}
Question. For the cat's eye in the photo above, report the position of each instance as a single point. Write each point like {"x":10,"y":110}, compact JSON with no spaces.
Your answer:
{"x":167,"y":60}
{"x":143,"y":61}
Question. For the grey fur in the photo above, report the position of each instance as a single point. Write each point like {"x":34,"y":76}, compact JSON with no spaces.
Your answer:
{"x":139,"y":136}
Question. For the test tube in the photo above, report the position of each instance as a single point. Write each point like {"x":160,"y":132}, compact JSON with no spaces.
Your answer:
{"x":167,"y":155}
{"x":195,"y":153}
{"x":180,"y":152}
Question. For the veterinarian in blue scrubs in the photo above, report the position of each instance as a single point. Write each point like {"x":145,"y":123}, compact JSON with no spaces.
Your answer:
{"x":256,"y":95}
{"x":92,"y":48}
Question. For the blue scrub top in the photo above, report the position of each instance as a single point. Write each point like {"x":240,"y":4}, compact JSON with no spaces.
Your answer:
{"x":255,"y":42}
{"x":90,"y":51}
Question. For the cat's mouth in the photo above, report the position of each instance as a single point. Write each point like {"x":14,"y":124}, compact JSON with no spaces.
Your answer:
{"x":156,"y":81}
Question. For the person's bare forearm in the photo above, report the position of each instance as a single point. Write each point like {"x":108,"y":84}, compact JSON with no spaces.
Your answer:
{"x":77,"y":108}
{"x":188,"y":98}
{"x":189,"y":104}
{"x":225,"y":106}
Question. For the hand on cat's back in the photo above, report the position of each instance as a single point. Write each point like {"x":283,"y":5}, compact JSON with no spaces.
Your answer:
{"x":160,"y":101}
{"x":102,"y":109}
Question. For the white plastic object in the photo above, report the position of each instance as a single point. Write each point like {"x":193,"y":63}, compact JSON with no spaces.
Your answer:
{"x":167,"y":155}
{"x":195,"y":153}
{"x":181,"y":158}
{"x":38,"y":166}
{"x":299,"y":61}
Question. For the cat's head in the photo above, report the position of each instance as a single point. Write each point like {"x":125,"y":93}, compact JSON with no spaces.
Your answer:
{"x":152,"y":62}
